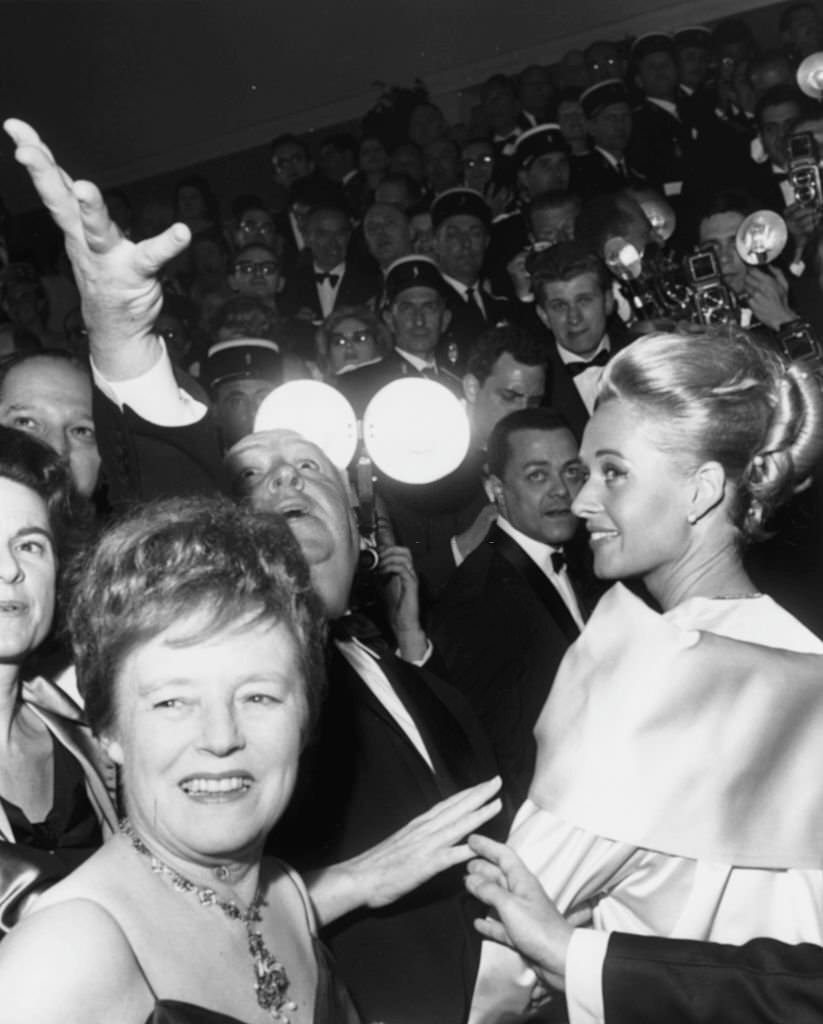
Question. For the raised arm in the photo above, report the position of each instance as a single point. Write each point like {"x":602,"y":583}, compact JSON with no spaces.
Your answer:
{"x":118,"y":280}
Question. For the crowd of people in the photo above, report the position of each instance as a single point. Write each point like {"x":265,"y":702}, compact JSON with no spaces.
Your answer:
{"x":558,"y":731}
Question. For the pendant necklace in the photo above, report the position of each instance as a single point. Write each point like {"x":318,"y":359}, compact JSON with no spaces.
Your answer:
{"x":271,"y":982}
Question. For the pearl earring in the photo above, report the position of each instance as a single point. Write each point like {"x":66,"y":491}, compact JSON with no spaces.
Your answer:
{"x":691,"y":518}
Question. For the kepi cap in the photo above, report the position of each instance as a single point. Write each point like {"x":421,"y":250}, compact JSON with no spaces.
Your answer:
{"x":543,"y":138}
{"x":413,"y":272}
{"x":454,"y":201}
{"x":603,"y":94}
{"x":240,"y":358}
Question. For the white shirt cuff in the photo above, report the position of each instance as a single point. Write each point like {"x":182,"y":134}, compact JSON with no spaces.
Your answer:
{"x":458,"y":558}
{"x":584,"y":974}
{"x":154,"y":395}
{"x":419,"y":662}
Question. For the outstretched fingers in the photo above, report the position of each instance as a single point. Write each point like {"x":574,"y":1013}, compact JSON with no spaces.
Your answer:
{"x":53,"y":185}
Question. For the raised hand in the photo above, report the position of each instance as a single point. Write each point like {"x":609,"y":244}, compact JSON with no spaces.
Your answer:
{"x":118,"y":280}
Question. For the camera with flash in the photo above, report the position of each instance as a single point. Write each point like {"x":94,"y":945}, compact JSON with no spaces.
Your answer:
{"x":713,"y":302}
{"x":804,"y":170}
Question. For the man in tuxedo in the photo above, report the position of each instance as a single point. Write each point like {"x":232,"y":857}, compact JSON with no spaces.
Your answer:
{"x":609,"y":124}
{"x":461,"y":220}
{"x":777,"y":112}
{"x":417,"y":314}
{"x":396,"y":741}
{"x":392,"y":741}
{"x":575,"y":301}
{"x":510,"y":610}
{"x":331,"y":280}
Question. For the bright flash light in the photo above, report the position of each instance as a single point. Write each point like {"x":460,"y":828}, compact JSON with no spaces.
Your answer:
{"x":415,"y":430}
{"x":317,"y":411}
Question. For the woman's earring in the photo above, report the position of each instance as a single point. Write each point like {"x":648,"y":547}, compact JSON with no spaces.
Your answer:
{"x":691,"y":518}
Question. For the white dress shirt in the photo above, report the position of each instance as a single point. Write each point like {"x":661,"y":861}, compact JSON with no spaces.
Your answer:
{"x":541,"y":555}
{"x":462,"y":289}
{"x":366,"y":664}
{"x":326,"y":291}
{"x":588,"y":381}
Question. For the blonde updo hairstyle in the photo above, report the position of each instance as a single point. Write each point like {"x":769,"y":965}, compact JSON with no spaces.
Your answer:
{"x":728,"y":399}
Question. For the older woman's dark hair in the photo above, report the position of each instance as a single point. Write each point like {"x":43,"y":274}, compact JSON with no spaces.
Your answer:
{"x":728,"y":399}
{"x":205,"y":561}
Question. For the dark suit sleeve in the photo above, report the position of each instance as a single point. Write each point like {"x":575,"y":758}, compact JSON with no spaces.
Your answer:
{"x":142,"y":461}
{"x":672,"y":981}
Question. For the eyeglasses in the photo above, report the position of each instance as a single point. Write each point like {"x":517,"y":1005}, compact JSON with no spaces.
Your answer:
{"x":250,"y":228}
{"x":355,"y":338}
{"x":478,"y":161}
{"x":267,"y":269}
{"x":279,"y":162}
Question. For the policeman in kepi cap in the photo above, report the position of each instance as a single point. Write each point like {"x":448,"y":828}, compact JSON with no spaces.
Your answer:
{"x":608,"y":115}
{"x":417,"y":314}
{"x":238,"y":375}
{"x":461,"y":220}
{"x":542,"y":163}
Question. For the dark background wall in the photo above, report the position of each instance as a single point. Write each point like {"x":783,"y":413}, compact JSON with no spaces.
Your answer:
{"x":130,"y":93}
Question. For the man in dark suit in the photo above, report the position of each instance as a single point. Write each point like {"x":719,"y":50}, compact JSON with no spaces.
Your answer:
{"x":392,"y":742}
{"x":461,"y":220}
{"x":330,"y":280}
{"x":614,"y":978}
{"x":411,"y":964}
{"x":574,"y":300}
{"x":511,"y":610}
{"x":609,"y":124}
{"x":662,"y":143}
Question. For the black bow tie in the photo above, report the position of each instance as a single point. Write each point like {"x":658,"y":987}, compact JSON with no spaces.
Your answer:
{"x":356,"y":626}
{"x":558,"y":561}
{"x":579,"y":366}
{"x":325,"y":275}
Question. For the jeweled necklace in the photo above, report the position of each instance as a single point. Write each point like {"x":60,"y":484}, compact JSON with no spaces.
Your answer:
{"x":271,"y":982}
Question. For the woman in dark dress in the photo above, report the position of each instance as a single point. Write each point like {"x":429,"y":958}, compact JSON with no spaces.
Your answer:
{"x":54,"y":802}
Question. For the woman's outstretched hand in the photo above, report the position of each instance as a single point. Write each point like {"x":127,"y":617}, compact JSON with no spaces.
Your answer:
{"x":429,"y":844}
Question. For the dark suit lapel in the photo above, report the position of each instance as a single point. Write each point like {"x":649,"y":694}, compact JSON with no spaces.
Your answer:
{"x":544,"y":589}
{"x":445,"y":740}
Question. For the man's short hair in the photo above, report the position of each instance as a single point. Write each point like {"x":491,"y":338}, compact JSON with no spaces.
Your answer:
{"x":566,"y":261}
{"x":343,"y":142}
{"x":554,"y":199}
{"x":727,"y":200}
{"x":778,"y":94}
{"x":288,"y":139}
{"x":603,"y":217}
{"x":498,"y":451}
{"x":495,"y":341}
{"x":785,"y":23}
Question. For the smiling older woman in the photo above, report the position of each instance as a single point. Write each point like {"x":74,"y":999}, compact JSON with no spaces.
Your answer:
{"x":198,"y":644}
